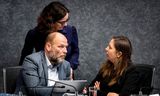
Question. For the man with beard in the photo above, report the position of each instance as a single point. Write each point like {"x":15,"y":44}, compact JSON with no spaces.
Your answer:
{"x":49,"y":63}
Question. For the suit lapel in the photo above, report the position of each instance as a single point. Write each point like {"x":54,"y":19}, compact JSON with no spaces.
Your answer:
{"x":44,"y":64}
{"x":60,"y":72}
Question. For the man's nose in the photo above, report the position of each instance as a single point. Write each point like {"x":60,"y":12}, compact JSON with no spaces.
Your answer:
{"x":65,"y":50}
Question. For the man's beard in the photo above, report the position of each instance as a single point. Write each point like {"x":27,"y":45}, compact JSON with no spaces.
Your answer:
{"x":56,"y":61}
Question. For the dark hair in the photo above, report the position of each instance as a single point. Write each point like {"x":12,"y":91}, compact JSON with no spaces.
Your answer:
{"x":51,"y":14}
{"x":123,"y":45}
{"x":114,"y":71}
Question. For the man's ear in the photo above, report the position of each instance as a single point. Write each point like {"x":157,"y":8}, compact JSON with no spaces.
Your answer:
{"x":119,"y":54}
{"x":48,"y":46}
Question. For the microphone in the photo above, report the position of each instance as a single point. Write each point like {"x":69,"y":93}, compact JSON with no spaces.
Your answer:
{"x":76,"y":91}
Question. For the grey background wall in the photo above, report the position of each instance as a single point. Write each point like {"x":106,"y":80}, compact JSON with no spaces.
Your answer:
{"x":96,"y":21}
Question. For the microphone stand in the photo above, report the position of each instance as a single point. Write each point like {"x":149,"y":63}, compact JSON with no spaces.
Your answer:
{"x":76,"y":92}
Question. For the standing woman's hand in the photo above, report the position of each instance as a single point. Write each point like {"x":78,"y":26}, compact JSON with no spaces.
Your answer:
{"x":71,"y":74}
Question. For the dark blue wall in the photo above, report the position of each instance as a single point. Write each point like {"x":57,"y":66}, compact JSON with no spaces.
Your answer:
{"x":96,"y":21}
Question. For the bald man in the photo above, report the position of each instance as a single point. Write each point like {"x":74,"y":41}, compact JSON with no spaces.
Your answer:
{"x":49,"y":64}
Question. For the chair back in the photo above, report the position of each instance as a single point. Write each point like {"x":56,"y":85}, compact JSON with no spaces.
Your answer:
{"x":146,"y":74}
{"x":10,"y":76}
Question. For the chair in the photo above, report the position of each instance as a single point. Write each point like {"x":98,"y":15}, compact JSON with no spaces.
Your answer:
{"x":10,"y":75}
{"x":146,"y":74}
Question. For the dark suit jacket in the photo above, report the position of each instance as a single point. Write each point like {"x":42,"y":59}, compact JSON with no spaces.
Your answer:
{"x":126,"y":85}
{"x":36,"y":64}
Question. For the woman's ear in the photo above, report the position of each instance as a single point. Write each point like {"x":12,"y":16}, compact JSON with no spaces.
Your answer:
{"x":119,"y":54}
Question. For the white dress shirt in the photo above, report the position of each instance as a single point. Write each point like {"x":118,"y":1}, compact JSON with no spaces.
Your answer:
{"x":52,"y":73}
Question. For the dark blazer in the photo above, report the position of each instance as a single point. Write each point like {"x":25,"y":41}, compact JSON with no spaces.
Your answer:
{"x":126,"y":85}
{"x":35,"y":40}
{"x":36,"y":64}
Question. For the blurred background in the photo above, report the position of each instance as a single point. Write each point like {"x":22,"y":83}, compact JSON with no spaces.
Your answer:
{"x":96,"y":21}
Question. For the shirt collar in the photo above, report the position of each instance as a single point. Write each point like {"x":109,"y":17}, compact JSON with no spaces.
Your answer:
{"x":48,"y":62}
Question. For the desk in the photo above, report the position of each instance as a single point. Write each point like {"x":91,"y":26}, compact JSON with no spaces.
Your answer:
{"x":146,"y":95}
{"x":6,"y":94}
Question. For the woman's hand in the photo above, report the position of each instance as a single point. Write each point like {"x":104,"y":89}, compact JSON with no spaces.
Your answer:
{"x":97,"y":85}
{"x":71,"y":74}
{"x":112,"y":94}
{"x":84,"y":90}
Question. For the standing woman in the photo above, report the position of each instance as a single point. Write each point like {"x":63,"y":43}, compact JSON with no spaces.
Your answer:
{"x":54,"y":17}
{"x":117,"y":76}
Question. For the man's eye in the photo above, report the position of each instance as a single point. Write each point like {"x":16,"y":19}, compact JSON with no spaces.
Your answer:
{"x":61,"y":46}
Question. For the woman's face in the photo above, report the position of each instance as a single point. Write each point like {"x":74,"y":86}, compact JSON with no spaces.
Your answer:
{"x":111,"y":52}
{"x":59,"y":25}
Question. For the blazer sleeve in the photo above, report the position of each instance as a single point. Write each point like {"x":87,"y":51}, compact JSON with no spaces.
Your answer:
{"x":35,"y":85}
{"x":75,"y":52}
{"x":28,"y":46}
{"x":97,"y":78}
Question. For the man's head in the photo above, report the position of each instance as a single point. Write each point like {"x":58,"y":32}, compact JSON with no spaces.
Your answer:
{"x":56,"y":47}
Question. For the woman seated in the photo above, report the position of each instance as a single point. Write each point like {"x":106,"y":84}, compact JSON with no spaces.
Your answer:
{"x":117,"y":76}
